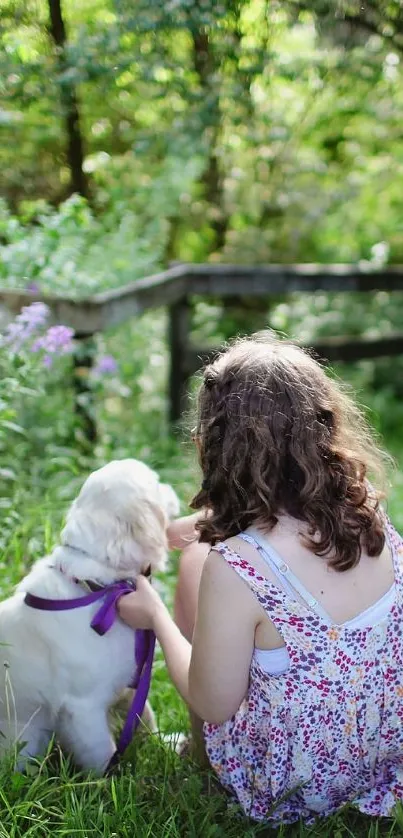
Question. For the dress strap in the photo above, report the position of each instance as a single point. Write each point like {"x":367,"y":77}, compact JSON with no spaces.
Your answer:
{"x":288,"y":580}
{"x":395,"y":542}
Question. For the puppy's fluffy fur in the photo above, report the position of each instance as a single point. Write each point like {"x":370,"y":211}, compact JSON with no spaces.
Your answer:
{"x":57,"y":675}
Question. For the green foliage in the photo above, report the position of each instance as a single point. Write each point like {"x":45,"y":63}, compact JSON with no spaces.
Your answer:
{"x":29,"y":431}
{"x":73,"y":251}
{"x":276,"y":139}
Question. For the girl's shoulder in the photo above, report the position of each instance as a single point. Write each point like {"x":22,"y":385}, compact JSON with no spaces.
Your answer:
{"x":244,"y":556}
{"x":234,"y":549}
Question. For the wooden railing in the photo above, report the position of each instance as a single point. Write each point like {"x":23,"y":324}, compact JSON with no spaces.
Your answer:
{"x":175,"y":288}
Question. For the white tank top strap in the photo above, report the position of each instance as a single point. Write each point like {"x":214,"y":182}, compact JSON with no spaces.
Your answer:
{"x":288,"y":580}
{"x":272,"y":561}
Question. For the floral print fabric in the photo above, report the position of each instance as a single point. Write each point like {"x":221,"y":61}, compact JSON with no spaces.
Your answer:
{"x":330,"y":729}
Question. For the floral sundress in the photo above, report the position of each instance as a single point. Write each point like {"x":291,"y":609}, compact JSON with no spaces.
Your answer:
{"x":328,"y":731}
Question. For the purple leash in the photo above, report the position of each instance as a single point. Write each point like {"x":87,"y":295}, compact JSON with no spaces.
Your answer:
{"x":101,"y":622}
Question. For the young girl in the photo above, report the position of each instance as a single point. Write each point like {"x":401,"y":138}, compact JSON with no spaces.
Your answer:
{"x":290,"y":647}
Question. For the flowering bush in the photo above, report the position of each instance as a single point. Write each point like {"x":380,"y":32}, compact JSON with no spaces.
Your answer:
{"x":17,"y":340}
{"x":39,"y":431}
{"x":27,"y":349}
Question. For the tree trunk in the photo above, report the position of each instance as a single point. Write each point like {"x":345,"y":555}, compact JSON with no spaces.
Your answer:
{"x":75,"y":153}
{"x":203,"y":61}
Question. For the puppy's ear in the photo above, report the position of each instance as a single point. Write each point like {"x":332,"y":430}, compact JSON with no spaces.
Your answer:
{"x":140,"y":542}
{"x":75,"y":530}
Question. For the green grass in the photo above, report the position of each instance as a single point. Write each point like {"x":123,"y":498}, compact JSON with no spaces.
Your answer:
{"x":155,"y":794}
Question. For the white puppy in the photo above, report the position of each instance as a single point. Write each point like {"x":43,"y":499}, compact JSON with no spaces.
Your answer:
{"x":57,"y":675}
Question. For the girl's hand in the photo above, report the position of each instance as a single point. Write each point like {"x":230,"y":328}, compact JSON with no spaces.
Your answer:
{"x":139,"y":609}
{"x":182,"y":531}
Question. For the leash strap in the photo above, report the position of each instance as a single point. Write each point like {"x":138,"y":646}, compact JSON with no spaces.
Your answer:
{"x":145,"y":645}
{"x":43,"y":604}
{"x":101,"y":622}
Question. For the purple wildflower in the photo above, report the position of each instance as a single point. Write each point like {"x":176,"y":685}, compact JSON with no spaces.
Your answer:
{"x":30,"y":319}
{"x":34,"y":315}
{"x":106,"y":365}
{"x":58,"y":340}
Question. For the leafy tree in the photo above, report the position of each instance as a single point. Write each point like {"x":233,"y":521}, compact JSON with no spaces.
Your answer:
{"x":243,"y":130}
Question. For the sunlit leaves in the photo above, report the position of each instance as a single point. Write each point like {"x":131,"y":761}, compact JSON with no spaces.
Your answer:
{"x":302,"y":127}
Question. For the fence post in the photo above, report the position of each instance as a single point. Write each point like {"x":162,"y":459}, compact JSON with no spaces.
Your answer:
{"x":178,"y":337}
{"x":83,"y":360}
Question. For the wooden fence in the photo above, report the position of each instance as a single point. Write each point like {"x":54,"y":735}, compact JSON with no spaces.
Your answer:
{"x":175,"y":288}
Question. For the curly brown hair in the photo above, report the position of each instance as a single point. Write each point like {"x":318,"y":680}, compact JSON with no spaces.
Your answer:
{"x":276,"y":435}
